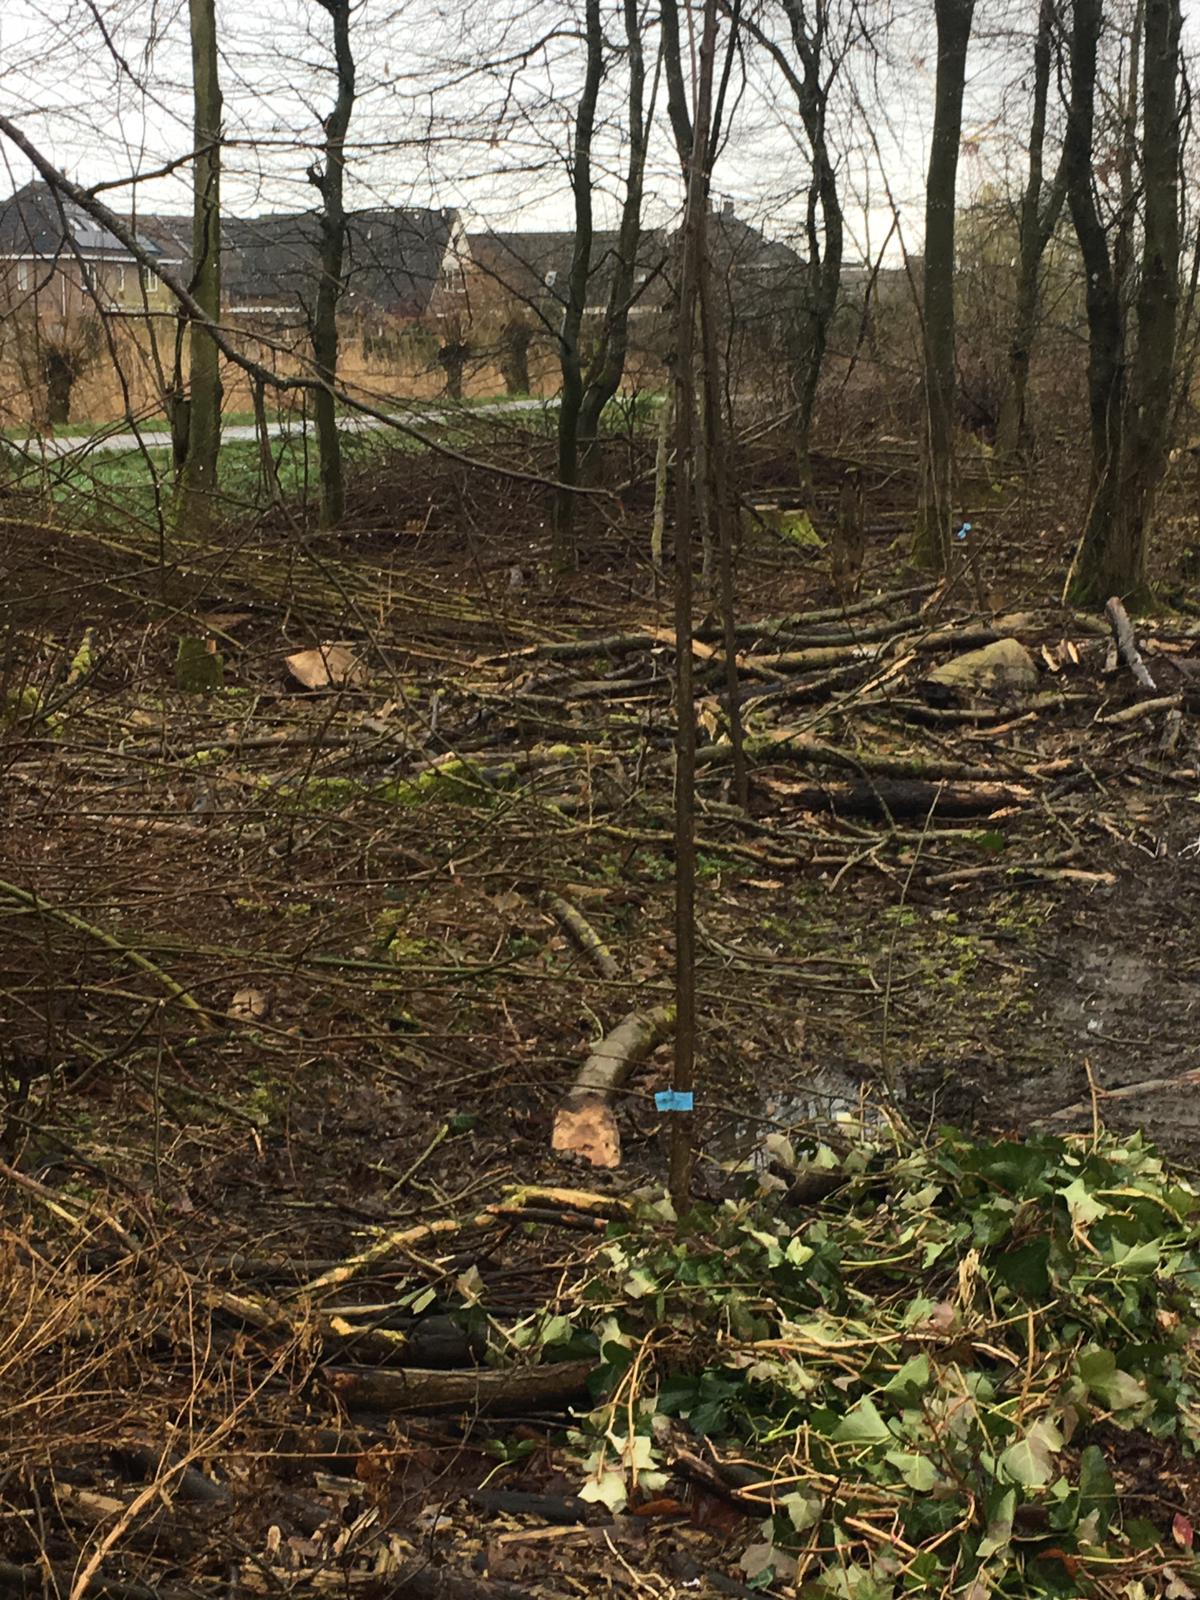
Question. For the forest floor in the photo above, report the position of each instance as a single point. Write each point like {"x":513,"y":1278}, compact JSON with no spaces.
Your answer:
{"x":284,"y":970}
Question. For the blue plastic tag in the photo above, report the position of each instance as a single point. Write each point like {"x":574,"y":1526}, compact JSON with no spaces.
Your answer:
{"x":963,"y":531}
{"x":674,"y":1100}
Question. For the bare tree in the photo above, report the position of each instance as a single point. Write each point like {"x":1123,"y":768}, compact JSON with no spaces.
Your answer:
{"x":1041,"y":207}
{"x":1130,"y":403}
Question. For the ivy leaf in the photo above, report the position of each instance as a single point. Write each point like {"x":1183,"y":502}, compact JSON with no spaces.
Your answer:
{"x":862,"y":1425}
{"x":606,"y":1488}
{"x":803,"y":1509}
{"x":1030,"y":1462}
{"x":911,"y":1381}
{"x":917,"y":1471}
{"x":1000,"y":1525}
{"x":1097,"y":1491}
{"x":1118,"y":1390}
{"x":1082,"y":1204}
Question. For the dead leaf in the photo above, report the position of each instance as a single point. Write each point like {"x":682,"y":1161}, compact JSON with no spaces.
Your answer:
{"x":1182,"y":1531}
{"x":329,"y":666}
{"x":250,"y":1005}
{"x":1051,"y":660}
{"x":667,"y":636}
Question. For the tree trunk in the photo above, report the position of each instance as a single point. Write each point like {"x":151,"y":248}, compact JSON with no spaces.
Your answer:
{"x":1151,"y":387}
{"x":825,"y":225}
{"x":608,"y":366}
{"x":198,"y":477}
{"x":1039,"y":218}
{"x":932,"y":547}
{"x":515,"y":339}
{"x":330,"y":183}
{"x":570,"y":357}
{"x":59,"y":371}
{"x":1106,"y":329}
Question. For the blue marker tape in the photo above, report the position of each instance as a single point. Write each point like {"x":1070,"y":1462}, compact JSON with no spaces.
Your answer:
{"x":963,"y":531}
{"x":674,"y":1100}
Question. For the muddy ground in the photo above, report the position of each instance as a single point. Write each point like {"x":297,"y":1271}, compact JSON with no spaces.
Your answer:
{"x":273,"y":976}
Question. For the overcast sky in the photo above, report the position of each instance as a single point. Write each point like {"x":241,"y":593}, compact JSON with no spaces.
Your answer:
{"x":102,"y":87}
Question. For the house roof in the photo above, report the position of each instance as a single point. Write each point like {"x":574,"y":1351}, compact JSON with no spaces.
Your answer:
{"x":393,"y":259}
{"x":35,"y":221}
{"x":536,"y":267}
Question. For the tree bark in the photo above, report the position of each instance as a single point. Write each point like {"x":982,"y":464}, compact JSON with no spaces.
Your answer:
{"x":329,"y":181}
{"x":932,"y":547}
{"x":1040,"y":211}
{"x":198,"y":477}
{"x":569,"y":339}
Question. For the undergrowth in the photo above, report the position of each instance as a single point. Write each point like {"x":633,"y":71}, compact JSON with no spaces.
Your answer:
{"x":922,"y":1369}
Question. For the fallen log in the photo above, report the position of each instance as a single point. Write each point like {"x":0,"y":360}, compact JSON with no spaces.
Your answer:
{"x":1126,"y":644}
{"x":912,"y":797}
{"x":585,"y":1124}
{"x":797,"y":745}
{"x":497,"y":1391}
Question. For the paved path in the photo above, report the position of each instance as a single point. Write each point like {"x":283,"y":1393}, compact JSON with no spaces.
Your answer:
{"x":102,"y":443}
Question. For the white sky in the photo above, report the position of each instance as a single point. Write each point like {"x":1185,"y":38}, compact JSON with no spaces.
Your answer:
{"x":427,"y":131}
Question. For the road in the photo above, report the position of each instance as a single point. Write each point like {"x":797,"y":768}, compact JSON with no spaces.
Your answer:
{"x":102,"y":443}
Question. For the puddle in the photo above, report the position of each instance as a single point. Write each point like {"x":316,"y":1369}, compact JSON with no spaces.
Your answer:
{"x":811,"y":1104}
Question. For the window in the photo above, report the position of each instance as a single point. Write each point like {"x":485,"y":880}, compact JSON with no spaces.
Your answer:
{"x":89,"y":275}
{"x":24,"y":276}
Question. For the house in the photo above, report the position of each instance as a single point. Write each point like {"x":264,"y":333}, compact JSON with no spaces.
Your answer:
{"x":61,"y":264}
{"x":756,"y":277}
{"x":401,"y":264}
{"x":530,"y":273}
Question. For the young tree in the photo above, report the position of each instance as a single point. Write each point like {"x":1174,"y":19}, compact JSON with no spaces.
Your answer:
{"x":953,"y":21}
{"x":820,"y":50}
{"x":329,"y":181}
{"x":1041,"y":207}
{"x":197,"y":485}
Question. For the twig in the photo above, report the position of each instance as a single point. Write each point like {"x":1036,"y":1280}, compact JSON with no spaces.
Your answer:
{"x":1122,"y":629}
{"x":135,"y":958}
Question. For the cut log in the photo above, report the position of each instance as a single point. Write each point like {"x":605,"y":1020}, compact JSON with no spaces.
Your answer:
{"x":585,"y":1124}
{"x":1122,"y":629}
{"x":419,"y":1391}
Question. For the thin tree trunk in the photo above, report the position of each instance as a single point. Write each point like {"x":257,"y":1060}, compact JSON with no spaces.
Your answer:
{"x":825,"y":225}
{"x":1039,"y":218}
{"x":695,"y":242}
{"x":661,"y":457}
{"x":330,"y":183}
{"x":198,"y":478}
{"x":570,"y":356}
{"x":1106,"y":330}
{"x":932,"y":547}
